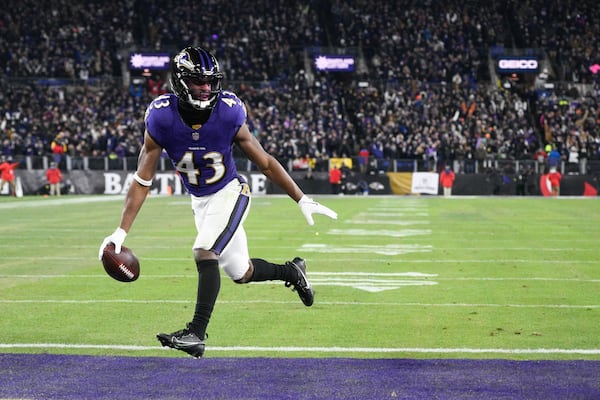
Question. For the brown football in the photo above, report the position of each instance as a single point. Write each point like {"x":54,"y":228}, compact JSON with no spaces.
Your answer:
{"x":124,"y":267}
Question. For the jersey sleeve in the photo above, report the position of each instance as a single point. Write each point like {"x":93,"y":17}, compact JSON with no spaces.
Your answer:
{"x":159,"y":117}
{"x":234,"y":110}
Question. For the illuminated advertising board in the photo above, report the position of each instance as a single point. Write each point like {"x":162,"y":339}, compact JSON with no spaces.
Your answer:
{"x":339,"y":63}
{"x":151,"y":61}
{"x":511,"y":65}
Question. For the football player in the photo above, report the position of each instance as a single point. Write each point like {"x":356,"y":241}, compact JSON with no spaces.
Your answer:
{"x":197,"y":125}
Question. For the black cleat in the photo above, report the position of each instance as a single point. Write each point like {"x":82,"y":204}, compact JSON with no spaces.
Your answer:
{"x":305,"y":291}
{"x":184,"y":340}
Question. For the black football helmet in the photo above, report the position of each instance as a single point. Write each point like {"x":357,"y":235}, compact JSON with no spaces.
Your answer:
{"x":195,"y":64}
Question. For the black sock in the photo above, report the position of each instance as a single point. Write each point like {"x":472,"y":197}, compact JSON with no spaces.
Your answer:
{"x":266,"y":271}
{"x":209,"y":283}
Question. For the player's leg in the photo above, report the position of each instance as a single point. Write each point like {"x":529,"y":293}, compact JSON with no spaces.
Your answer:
{"x":293,"y":273}
{"x":237,"y":265}
{"x":209,"y":284}
{"x":217,"y":218}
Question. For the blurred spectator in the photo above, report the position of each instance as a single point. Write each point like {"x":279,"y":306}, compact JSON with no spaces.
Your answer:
{"x":540,"y":157}
{"x":54,"y":178}
{"x":554,"y":157}
{"x":335,"y":179}
{"x":447,"y":178}
{"x":156,"y":86}
{"x":7,"y":175}
{"x":521,"y":179}
{"x":363,"y":159}
{"x":554,"y":177}
{"x":58,"y":147}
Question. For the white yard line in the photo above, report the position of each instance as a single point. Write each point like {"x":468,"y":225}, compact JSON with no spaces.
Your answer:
{"x":320,"y":303}
{"x":59,"y":202}
{"x":354,"y":350}
{"x":334,"y":276}
{"x":340,"y":260}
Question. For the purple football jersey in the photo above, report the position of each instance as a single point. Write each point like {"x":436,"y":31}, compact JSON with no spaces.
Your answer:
{"x":203,"y":157}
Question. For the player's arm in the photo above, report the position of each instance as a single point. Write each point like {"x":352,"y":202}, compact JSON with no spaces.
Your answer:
{"x":267,"y":164}
{"x":276,"y":173}
{"x":137,"y":193}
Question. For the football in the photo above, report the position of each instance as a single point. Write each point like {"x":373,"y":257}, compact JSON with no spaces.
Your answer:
{"x":124,"y":267}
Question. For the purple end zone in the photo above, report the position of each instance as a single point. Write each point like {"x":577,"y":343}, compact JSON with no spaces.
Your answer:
{"x":28,"y":376}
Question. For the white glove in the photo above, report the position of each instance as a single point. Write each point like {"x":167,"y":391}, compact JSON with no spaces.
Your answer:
{"x":117,"y":237}
{"x":309,"y":207}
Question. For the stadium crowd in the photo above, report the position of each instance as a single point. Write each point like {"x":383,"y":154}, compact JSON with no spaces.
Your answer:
{"x":427,"y":96}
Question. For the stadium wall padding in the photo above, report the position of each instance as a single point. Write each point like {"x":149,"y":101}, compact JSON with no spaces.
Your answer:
{"x":117,"y":182}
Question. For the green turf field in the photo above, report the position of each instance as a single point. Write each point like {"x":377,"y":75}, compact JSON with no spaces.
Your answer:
{"x":401,"y":277}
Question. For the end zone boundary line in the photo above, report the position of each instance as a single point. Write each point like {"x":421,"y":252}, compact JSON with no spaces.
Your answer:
{"x":363,"y":350}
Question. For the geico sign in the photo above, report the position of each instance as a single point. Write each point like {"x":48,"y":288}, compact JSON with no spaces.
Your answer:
{"x":517,"y":63}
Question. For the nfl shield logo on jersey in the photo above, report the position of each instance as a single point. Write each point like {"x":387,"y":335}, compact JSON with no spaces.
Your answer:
{"x":195,"y":135}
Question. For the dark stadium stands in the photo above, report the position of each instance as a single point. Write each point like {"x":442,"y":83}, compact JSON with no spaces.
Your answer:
{"x":425,"y":86}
